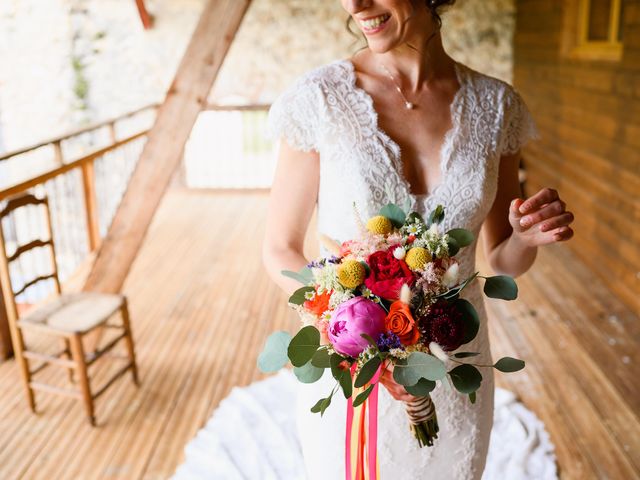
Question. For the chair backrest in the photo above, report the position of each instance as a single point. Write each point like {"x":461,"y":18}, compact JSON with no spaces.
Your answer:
{"x":12,"y":204}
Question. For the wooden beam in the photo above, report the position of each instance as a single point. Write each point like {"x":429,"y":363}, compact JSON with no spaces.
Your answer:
{"x":186,"y":97}
{"x":145,"y":17}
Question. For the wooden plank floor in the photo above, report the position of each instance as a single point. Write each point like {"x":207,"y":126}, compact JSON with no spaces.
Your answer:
{"x":198,"y":294}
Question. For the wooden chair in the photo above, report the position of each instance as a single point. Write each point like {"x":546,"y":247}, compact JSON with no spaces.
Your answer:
{"x":69,"y":316}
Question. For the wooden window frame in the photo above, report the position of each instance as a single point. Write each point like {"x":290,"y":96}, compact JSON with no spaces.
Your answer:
{"x":610,"y":49}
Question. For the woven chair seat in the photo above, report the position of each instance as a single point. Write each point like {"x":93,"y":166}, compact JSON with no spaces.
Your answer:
{"x":76,"y":312}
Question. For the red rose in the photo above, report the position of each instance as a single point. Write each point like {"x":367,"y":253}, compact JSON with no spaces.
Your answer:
{"x":387,"y":274}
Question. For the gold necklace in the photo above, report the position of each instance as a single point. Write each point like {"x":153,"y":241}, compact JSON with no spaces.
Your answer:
{"x":407,"y":104}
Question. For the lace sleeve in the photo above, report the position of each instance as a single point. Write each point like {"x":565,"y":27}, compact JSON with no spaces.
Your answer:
{"x":518,"y":126}
{"x":293,"y":115}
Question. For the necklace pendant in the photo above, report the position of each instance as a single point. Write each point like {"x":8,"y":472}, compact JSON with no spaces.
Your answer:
{"x":408,"y":105}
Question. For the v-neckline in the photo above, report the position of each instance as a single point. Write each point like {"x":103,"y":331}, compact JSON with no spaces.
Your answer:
{"x":445,"y":148}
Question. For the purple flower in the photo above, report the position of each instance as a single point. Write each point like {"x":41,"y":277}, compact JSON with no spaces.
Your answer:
{"x":387,"y":341}
{"x":323,"y":261}
{"x":352,"y":318}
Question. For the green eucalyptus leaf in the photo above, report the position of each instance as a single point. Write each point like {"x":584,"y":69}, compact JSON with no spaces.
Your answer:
{"x":509,"y":364}
{"x":304,"y":276}
{"x":472,"y":397}
{"x":308,"y":373}
{"x":470,"y":318}
{"x":274,"y":354}
{"x":462,"y":236}
{"x":363,"y":396}
{"x":367,"y":372}
{"x":466,"y":378}
{"x":422,"y":388}
{"x":303,"y":345}
{"x":418,"y":365}
{"x":321,"y":359}
{"x":346,"y":384}
{"x":321,"y":405}
{"x":393,"y":213}
{"x":407,"y":204}
{"x":343,"y":376}
{"x":436,"y":216}
{"x":452,"y":246}
{"x":465,"y":354}
{"x":413,"y":217}
{"x":298,"y":297}
{"x":501,"y":286}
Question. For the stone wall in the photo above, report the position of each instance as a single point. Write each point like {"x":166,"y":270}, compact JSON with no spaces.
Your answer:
{"x":280,"y":39}
{"x":68,"y":62}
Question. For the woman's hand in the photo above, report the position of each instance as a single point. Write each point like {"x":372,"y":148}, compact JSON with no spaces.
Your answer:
{"x":396,"y":390}
{"x":540,"y":219}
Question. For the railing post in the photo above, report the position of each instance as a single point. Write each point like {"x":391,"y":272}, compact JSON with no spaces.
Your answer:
{"x":57,"y":153}
{"x":112,"y":132}
{"x":90,"y":204}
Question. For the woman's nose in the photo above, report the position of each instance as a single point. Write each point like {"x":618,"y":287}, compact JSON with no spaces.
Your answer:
{"x":355,"y":6}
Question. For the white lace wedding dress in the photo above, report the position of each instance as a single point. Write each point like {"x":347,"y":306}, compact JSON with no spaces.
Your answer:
{"x":325,"y":110}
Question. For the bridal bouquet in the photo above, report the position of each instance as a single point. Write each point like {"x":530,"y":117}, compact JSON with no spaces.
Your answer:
{"x":389,"y":299}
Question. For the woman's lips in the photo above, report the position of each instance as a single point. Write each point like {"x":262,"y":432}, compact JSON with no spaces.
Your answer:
{"x":374,"y":24}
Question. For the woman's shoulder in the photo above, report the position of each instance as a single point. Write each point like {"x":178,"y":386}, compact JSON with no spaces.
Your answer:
{"x":298,"y":111}
{"x":488,"y":86}
{"x":321,"y":78}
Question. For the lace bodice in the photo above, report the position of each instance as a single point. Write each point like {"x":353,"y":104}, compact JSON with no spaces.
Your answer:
{"x":325,"y":111}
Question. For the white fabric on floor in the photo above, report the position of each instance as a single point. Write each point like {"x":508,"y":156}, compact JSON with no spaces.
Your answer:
{"x":252,"y":435}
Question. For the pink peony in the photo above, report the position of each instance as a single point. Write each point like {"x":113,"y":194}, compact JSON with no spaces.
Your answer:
{"x":355,"y":316}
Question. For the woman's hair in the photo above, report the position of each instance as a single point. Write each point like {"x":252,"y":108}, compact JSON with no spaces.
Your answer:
{"x":434,"y":6}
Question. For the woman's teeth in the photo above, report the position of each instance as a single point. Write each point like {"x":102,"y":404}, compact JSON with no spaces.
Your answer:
{"x":373,"y":23}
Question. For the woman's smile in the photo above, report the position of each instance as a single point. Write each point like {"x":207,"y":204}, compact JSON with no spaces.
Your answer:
{"x":371,"y":25}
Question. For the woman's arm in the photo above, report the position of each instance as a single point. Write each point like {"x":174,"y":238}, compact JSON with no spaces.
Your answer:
{"x":291,"y":203}
{"x":515,"y":228}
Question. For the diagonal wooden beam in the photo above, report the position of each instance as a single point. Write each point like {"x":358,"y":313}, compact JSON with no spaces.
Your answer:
{"x":162,"y":152}
{"x":147,"y":20}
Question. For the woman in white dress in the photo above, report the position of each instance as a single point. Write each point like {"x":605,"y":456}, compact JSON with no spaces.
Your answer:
{"x":402,"y":122}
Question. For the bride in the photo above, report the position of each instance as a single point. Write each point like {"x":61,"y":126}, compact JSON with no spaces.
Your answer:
{"x":402,"y":122}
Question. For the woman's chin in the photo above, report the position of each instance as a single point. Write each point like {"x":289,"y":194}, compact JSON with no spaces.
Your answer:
{"x":381,"y":45}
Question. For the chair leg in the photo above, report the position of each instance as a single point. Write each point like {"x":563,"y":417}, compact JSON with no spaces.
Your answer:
{"x":23,"y":364}
{"x":67,"y":349}
{"x":81,"y":367}
{"x":129,"y":340}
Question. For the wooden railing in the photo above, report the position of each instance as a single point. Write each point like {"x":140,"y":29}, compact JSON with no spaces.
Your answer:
{"x":84,"y":174}
{"x":86,"y":164}
{"x":81,"y":181}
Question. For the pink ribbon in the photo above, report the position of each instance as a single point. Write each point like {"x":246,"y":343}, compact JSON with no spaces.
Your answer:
{"x":369,"y":437}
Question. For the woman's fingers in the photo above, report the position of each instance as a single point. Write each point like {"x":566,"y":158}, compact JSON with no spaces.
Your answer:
{"x":561,"y":220}
{"x":550,"y":210}
{"x":544,"y":196}
{"x":563,"y":233}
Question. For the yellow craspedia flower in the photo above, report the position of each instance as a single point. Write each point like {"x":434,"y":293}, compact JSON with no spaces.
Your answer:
{"x":379,"y":224}
{"x":417,"y":258}
{"x":351,"y":273}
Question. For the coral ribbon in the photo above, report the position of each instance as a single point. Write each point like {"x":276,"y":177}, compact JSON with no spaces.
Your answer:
{"x":367,"y":435}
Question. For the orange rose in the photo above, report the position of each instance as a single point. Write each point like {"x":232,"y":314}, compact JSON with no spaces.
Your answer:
{"x":400,"y":321}
{"x":319,"y":304}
